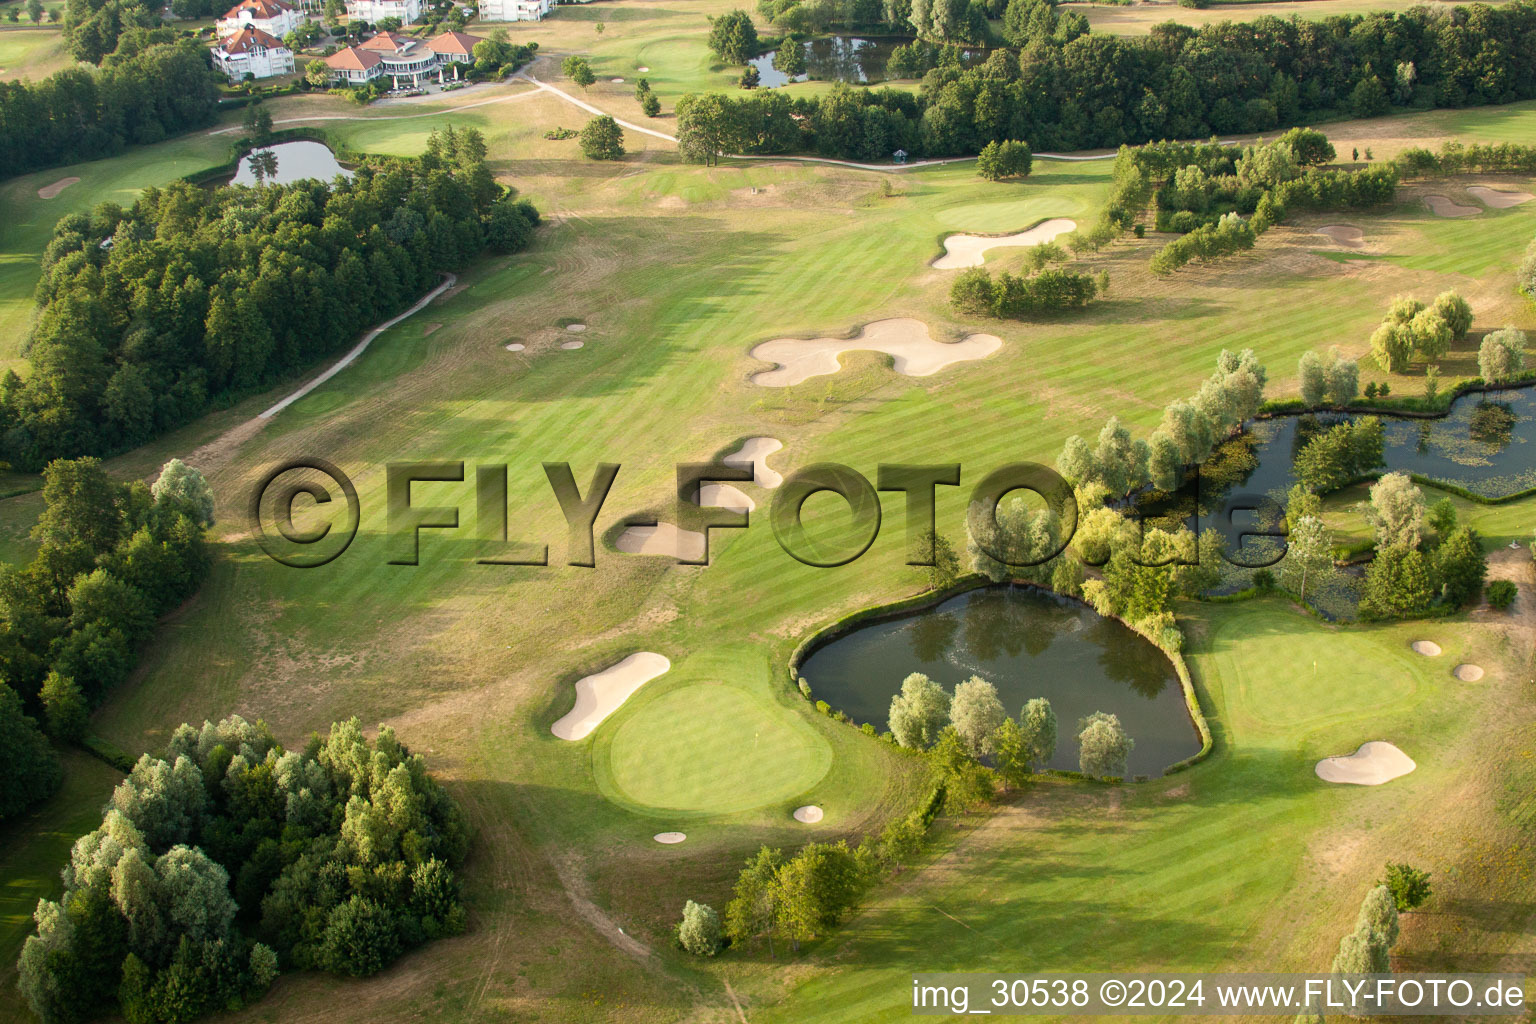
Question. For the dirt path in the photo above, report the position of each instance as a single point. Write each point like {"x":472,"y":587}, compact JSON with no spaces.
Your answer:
{"x":575,"y":888}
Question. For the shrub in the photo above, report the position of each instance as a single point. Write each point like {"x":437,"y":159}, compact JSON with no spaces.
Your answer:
{"x":1501,"y":594}
{"x":1501,"y":356}
{"x":1408,"y":885}
{"x":699,"y":931}
{"x":1103,"y":745}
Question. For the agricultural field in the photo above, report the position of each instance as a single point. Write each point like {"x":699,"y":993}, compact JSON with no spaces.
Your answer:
{"x":623,"y":334}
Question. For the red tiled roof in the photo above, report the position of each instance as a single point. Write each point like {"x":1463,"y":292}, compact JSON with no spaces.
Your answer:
{"x":247,"y":38}
{"x":454,"y":42}
{"x":389,"y":42}
{"x":352,"y":59}
{"x":259,"y":8}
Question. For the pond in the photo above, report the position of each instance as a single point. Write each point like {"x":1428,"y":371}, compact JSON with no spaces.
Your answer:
{"x":833,"y":59}
{"x":1028,"y":644}
{"x":295,"y":161}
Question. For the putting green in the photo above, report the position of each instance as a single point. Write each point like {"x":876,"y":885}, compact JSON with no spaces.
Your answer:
{"x":713,"y":747}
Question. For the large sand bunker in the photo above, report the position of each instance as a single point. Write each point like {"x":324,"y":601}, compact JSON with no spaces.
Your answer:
{"x":810,"y":814}
{"x":602,"y":693}
{"x":49,"y":191}
{"x":754,"y":452}
{"x":661,"y":539}
{"x":1497,"y":199}
{"x":725,"y":496}
{"x":906,"y":340}
{"x":1374,"y":763}
{"x":962,"y":251}
{"x":1468,"y":673}
{"x":1343,"y":234}
{"x":1442,"y":206}
{"x":1428,"y":648}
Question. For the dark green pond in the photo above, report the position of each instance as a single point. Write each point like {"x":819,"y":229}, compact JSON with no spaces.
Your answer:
{"x":833,"y":59}
{"x":1028,"y":644}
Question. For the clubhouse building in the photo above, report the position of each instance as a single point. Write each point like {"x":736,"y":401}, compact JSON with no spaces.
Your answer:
{"x":375,"y":11}
{"x":274,"y":17}
{"x":251,"y":51}
{"x":405,"y":63}
{"x":513,"y":10}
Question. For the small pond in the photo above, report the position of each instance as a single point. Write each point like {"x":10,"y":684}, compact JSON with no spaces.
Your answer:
{"x":1028,"y":644}
{"x":295,"y":161}
{"x":833,"y":59}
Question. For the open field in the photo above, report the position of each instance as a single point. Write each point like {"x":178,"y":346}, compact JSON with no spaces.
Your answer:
{"x":30,"y":53}
{"x":1248,"y":861}
{"x":1138,"y":18}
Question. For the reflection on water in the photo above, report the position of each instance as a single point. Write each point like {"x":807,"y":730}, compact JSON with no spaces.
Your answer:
{"x":295,"y":162}
{"x":833,"y":59}
{"x":1028,"y":644}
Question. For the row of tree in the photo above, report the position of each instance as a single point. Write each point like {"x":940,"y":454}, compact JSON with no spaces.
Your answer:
{"x":1093,"y":90}
{"x":1410,"y":326}
{"x":85,"y":114}
{"x":1017,"y":296}
{"x":149,"y":314}
{"x":112,"y":557}
{"x":231,"y":859}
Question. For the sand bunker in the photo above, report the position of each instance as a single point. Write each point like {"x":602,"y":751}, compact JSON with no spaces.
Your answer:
{"x":1442,"y":206}
{"x":754,"y":452}
{"x":515,"y":347}
{"x":49,"y":191}
{"x":642,"y":70}
{"x":966,"y":250}
{"x":1343,"y":234}
{"x":602,"y":693}
{"x":1428,"y":648}
{"x":1497,"y":199}
{"x":571,"y":346}
{"x":661,"y":539}
{"x":906,"y":340}
{"x":810,"y":814}
{"x":670,"y":838}
{"x":575,"y":328}
{"x":725,"y":496}
{"x":1374,"y":763}
{"x":1468,"y":673}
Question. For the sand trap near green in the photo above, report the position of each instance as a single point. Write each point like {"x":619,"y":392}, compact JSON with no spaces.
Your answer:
{"x":912,"y":349}
{"x":717,"y":748}
{"x":1374,"y":763}
{"x":1498,"y":199}
{"x":602,"y":693}
{"x":962,"y":251}
{"x":1445,"y":206}
{"x":753,"y":454}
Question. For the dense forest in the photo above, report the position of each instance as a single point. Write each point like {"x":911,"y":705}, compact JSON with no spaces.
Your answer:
{"x":147,"y":315}
{"x":231,"y":859}
{"x":111,"y":558}
{"x":84,"y":114}
{"x":1063,"y":91}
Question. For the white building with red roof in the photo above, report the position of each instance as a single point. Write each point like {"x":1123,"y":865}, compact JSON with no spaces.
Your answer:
{"x":375,"y":11}
{"x":274,"y":17}
{"x":513,"y":10}
{"x":404,"y":63}
{"x":250,"y":51}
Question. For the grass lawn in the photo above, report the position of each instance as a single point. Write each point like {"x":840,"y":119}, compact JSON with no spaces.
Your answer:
{"x":677,"y":270}
{"x":30,"y":53}
{"x":1138,"y":18}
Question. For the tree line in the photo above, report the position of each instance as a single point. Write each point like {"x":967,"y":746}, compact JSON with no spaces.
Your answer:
{"x":1099,"y":90}
{"x":230,"y":859}
{"x":111,"y":558}
{"x":84,"y":114}
{"x":148,"y":315}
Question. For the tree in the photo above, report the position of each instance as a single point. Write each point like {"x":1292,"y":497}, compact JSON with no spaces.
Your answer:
{"x":1460,"y":567}
{"x":1037,"y":722}
{"x":1392,"y":345}
{"x":578,"y":70}
{"x":1314,"y":378}
{"x":1007,"y":159}
{"x":1442,"y":517}
{"x":181,"y":483}
{"x":753,"y":909}
{"x":35,"y":11}
{"x":707,"y":126}
{"x":317,"y":73}
{"x":789,"y":59}
{"x":1397,"y":584}
{"x":1309,"y":554}
{"x":1397,"y":511}
{"x":977,"y":714}
{"x":1012,"y":754}
{"x":1431,"y":334}
{"x":733,"y":37}
{"x":32,"y":770}
{"x":1455,"y":311}
{"x":699,"y":930}
{"x":258,"y":124}
{"x":816,"y":888}
{"x":64,"y":708}
{"x":602,"y":139}
{"x":1103,"y":746}
{"x":1408,"y":885}
{"x":1378,"y":914}
{"x":1343,"y":379}
{"x":919,"y":712}
{"x":650,"y":105}
{"x":945,"y":570}
{"x":750,"y":78}
{"x":1501,"y":356}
